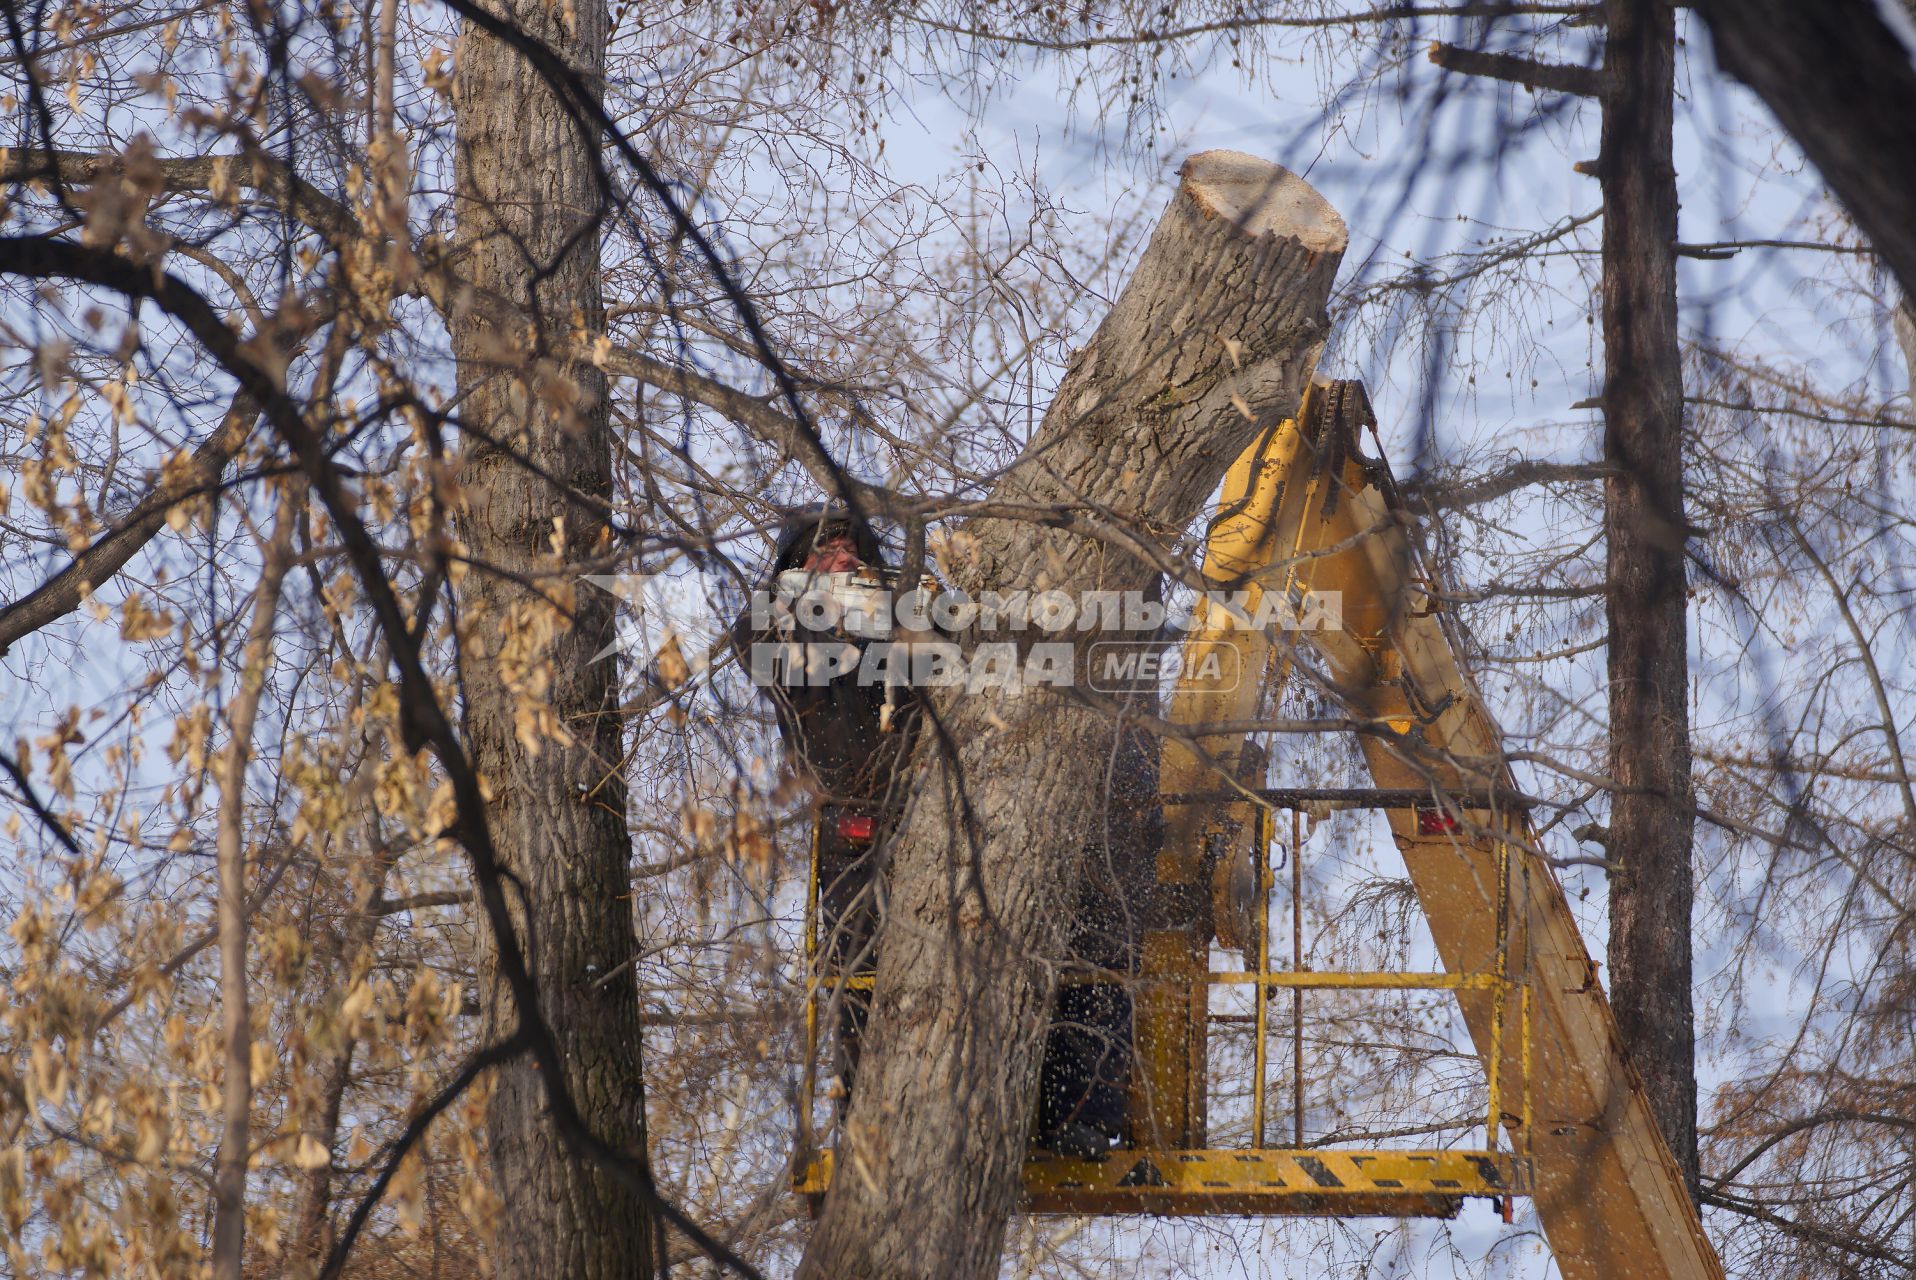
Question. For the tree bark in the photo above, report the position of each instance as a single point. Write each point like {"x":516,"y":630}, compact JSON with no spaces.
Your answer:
{"x":1840,"y":80}
{"x":1652,"y":813}
{"x":1214,"y":337}
{"x":311,"y":1237}
{"x":525,"y":190}
{"x":236,"y":1088}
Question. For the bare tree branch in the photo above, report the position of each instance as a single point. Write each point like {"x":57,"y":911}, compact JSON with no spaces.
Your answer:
{"x":1559,"y":77}
{"x":258,"y":170}
{"x":110,"y":552}
{"x":1452,"y":494}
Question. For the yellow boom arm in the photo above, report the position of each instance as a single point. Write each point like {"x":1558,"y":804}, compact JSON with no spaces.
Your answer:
{"x":1303,"y":512}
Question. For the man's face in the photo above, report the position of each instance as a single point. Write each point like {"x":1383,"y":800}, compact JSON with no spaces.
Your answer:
{"x":834,"y":552}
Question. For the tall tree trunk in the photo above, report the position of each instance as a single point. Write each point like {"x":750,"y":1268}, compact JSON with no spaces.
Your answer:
{"x":311,"y":1237}
{"x":1215,"y":335}
{"x":1652,"y":812}
{"x":525,"y":189}
{"x":236,"y":1089}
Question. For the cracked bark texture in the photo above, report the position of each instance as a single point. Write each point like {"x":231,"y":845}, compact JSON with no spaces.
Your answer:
{"x":1652,"y":814}
{"x":525,"y":189}
{"x":1213,"y":338}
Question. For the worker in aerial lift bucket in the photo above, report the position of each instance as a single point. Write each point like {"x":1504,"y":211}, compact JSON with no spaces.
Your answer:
{"x":846,"y":735}
{"x":850,"y":737}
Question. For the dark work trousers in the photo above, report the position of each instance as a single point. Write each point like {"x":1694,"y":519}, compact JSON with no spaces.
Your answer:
{"x":1087,"y":1063}
{"x":847,"y":919}
{"x":1086,"y":1076}
{"x":1087,"y":1059}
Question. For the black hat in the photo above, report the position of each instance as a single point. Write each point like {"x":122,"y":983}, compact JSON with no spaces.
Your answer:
{"x":799,"y":530}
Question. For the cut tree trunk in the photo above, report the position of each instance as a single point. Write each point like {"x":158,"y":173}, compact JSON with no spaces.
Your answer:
{"x":1214,"y":338}
{"x":525,"y":188}
{"x":1652,"y":814}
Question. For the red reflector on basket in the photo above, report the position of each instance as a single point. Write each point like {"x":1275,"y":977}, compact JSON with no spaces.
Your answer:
{"x":1435,"y":822}
{"x":855,"y":826}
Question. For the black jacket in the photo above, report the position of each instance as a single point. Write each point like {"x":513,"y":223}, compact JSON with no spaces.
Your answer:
{"x":837,"y":735}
